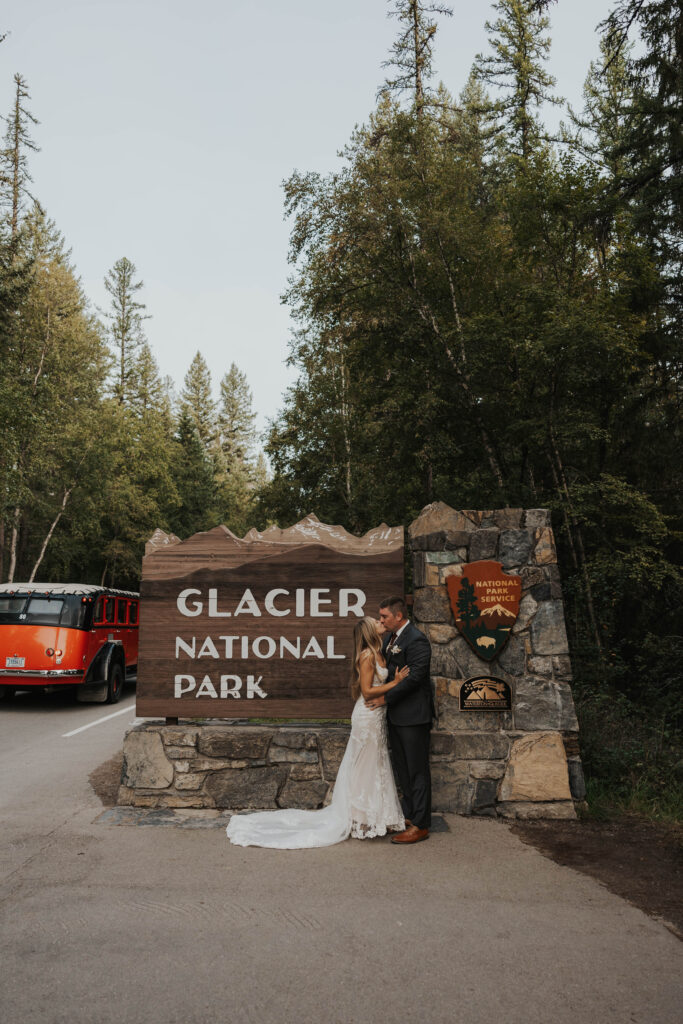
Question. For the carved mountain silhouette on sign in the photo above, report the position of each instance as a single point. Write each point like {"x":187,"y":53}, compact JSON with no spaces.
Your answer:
{"x":276,"y":606}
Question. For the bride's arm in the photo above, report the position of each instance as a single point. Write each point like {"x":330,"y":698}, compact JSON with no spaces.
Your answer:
{"x":378,"y":691}
{"x":367,"y":674}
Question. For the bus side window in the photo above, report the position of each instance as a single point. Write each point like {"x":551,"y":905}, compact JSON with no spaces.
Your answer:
{"x":121,"y":616}
{"x":98,"y":616}
{"x":133,"y":613}
{"x":110,"y":609}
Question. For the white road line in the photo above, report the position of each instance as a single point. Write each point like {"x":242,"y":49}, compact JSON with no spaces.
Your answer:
{"x":98,"y":721}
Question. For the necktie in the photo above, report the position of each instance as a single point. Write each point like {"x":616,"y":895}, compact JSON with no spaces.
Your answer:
{"x":391,"y":640}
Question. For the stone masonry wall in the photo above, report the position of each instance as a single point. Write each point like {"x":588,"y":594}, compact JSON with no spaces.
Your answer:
{"x":519,"y":763}
{"x":229,"y":765}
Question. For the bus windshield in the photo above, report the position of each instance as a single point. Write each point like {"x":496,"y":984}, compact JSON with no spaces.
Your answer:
{"x":42,"y":610}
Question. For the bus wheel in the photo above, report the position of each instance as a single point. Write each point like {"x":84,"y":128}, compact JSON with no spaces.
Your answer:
{"x":115,"y":684}
{"x":7,"y":692}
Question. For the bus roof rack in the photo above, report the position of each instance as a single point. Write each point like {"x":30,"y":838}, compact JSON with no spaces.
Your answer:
{"x":77,"y":589}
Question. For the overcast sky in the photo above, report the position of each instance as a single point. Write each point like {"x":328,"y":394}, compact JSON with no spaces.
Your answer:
{"x":167,"y":128}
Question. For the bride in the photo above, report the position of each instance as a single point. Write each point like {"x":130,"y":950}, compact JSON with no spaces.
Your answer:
{"x":365,"y":802}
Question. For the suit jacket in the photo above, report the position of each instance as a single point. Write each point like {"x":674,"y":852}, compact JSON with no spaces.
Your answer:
{"x":411,"y":702}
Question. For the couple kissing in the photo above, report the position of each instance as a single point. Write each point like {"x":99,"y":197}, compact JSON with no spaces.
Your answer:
{"x":393,"y":706}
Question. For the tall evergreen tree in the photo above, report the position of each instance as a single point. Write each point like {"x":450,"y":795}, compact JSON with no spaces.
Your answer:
{"x":59,"y":364}
{"x":236,"y":437}
{"x":197,"y":401}
{"x":14,"y":156}
{"x":15,"y":279}
{"x":603,"y":124}
{"x":516,"y":69}
{"x":126,"y":316}
{"x":147,"y":391}
{"x":194,"y":480}
{"x":236,"y":417}
{"x":410,"y":64}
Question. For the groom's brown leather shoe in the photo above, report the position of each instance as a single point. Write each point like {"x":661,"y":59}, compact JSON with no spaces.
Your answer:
{"x":411,"y":835}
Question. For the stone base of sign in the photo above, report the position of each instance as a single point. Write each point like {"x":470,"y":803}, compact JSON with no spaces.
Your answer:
{"x":248,"y":767}
{"x":229,"y":765}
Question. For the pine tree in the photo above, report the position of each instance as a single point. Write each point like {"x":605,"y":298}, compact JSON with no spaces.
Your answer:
{"x":147,"y":392}
{"x":125,"y":317}
{"x":197,"y":401}
{"x":602,"y":126}
{"x":653,"y":144}
{"x":236,"y":437}
{"x":520,"y":48}
{"x":468,"y":610}
{"x":58,"y":366}
{"x":16,"y":271}
{"x":411,"y":53}
{"x":261,"y":473}
{"x":193,"y":476}
{"x":15,"y":175}
{"x":236,"y":418}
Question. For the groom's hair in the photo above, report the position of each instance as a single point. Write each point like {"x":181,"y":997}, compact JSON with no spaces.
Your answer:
{"x":395,"y":605}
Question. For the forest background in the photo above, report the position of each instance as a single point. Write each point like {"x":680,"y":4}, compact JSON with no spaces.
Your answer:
{"x":486,"y":314}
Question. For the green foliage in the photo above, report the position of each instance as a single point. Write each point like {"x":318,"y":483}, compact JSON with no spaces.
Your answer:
{"x":14,"y":171}
{"x":487,"y":318}
{"x":515,"y":65}
{"x":410,"y":63}
{"x":237,"y":476}
{"x":196,"y":401}
{"x":94,"y":457}
{"x":236,"y":417}
{"x":194,"y":479}
{"x":631,"y":750}
{"x":125,"y":325}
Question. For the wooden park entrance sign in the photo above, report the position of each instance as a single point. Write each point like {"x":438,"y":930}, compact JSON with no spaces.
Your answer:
{"x":258,"y":627}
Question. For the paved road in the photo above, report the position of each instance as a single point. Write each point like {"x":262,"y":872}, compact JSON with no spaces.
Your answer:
{"x":138,"y":924}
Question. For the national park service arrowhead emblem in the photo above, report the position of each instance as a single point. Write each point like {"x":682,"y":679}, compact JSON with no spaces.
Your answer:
{"x":485,"y":602}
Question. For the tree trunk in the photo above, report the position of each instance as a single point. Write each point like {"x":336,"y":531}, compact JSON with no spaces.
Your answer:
{"x":419,"y":91}
{"x":428,"y":317}
{"x":575,"y":537}
{"x":14,"y":221}
{"x":65,"y":499}
{"x":14,"y":538}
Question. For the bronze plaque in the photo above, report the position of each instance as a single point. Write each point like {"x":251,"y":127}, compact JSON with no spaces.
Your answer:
{"x":485,"y":693}
{"x":259,"y":626}
{"x":485,"y":602}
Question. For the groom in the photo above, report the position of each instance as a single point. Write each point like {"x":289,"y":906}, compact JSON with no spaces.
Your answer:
{"x":410,"y":709}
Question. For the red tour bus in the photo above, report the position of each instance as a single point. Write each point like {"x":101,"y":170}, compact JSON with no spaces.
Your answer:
{"x":55,"y":634}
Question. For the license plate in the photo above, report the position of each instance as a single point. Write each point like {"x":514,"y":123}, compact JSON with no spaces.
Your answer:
{"x":15,"y":662}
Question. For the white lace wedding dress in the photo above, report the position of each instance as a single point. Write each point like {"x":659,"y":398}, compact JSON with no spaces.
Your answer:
{"x":364,"y":802}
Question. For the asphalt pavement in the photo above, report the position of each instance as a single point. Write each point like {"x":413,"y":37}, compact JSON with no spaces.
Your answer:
{"x":143,"y":924}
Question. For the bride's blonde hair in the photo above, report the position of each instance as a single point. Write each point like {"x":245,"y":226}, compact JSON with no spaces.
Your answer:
{"x":365,"y":638}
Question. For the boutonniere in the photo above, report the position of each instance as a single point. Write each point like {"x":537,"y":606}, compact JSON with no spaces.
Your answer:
{"x":395,"y":649}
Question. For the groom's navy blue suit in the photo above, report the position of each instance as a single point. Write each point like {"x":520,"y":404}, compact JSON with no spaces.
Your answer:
{"x":410,"y":709}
